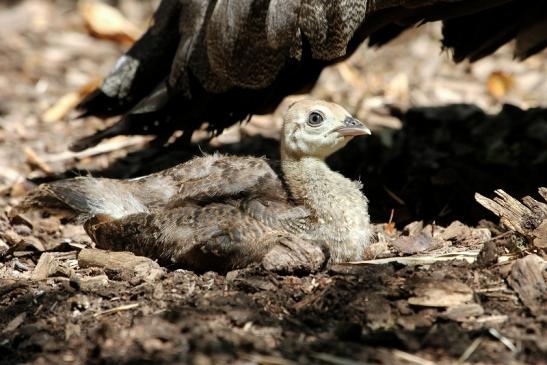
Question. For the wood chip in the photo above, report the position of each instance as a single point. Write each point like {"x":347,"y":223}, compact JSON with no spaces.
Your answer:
{"x":140,"y":266}
{"x":266,"y":360}
{"x":405,"y":356}
{"x":34,"y":243}
{"x":416,"y":244}
{"x":336,"y":360}
{"x":540,"y":233}
{"x":413,"y":228}
{"x":90,"y":283}
{"x":464,"y":312}
{"x":493,"y":320}
{"x":464,"y":235}
{"x":528,"y":280}
{"x":441,"y":294}
{"x":45,"y":267}
{"x":35,"y":161}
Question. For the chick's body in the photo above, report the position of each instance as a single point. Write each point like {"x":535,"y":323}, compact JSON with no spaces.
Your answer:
{"x":224,"y":212}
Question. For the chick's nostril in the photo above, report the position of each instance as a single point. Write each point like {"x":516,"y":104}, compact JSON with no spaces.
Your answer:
{"x":352,"y":122}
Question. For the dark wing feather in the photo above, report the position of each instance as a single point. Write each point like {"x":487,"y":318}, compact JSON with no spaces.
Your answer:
{"x":141,"y":69}
{"x":219,"y":61}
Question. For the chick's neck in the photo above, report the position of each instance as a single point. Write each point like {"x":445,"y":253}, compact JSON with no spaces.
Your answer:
{"x":313,"y":184}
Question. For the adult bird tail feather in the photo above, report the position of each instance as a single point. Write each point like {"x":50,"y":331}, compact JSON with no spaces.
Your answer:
{"x":224,"y":60}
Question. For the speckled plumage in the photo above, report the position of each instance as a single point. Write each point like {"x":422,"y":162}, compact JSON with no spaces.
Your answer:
{"x":223,"y":212}
{"x":219,"y":61}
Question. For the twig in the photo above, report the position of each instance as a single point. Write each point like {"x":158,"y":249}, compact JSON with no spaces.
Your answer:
{"x":391,"y":215}
{"x":500,"y":318}
{"x":117,"y":309}
{"x":116,"y":143}
{"x":504,"y":340}
{"x":267,"y":360}
{"x":469,"y":351}
{"x":411,"y":358}
{"x":336,"y":360}
{"x":469,"y":256}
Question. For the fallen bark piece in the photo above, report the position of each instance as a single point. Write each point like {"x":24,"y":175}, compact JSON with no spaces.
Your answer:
{"x":141,"y":266}
{"x":527,"y":218}
{"x":540,"y":233}
{"x":47,"y":265}
{"x":441,"y":294}
{"x":464,"y":312}
{"x":463,"y":235}
{"x":527,"y":278}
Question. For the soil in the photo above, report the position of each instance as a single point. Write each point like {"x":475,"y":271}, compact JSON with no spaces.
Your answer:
{"x":454,"y":285}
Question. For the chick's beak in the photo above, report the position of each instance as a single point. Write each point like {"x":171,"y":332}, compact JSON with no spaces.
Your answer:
{"x":352,"y":127}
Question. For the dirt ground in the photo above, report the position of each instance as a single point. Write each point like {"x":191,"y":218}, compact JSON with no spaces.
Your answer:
{"x":444,"y":282}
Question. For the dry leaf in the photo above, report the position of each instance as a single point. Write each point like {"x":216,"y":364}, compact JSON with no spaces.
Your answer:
{"x":464,"y":312}
{"x":104,"y":21}
{"x":499,"y":83}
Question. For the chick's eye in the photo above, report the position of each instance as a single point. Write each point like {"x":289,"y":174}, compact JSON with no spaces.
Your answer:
{"x":315,"y":119}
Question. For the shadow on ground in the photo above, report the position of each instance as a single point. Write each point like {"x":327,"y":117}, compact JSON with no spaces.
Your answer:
{"x":429,"y":170}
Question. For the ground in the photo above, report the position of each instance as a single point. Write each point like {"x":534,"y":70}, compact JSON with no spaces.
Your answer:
{"x":433,"y":290}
